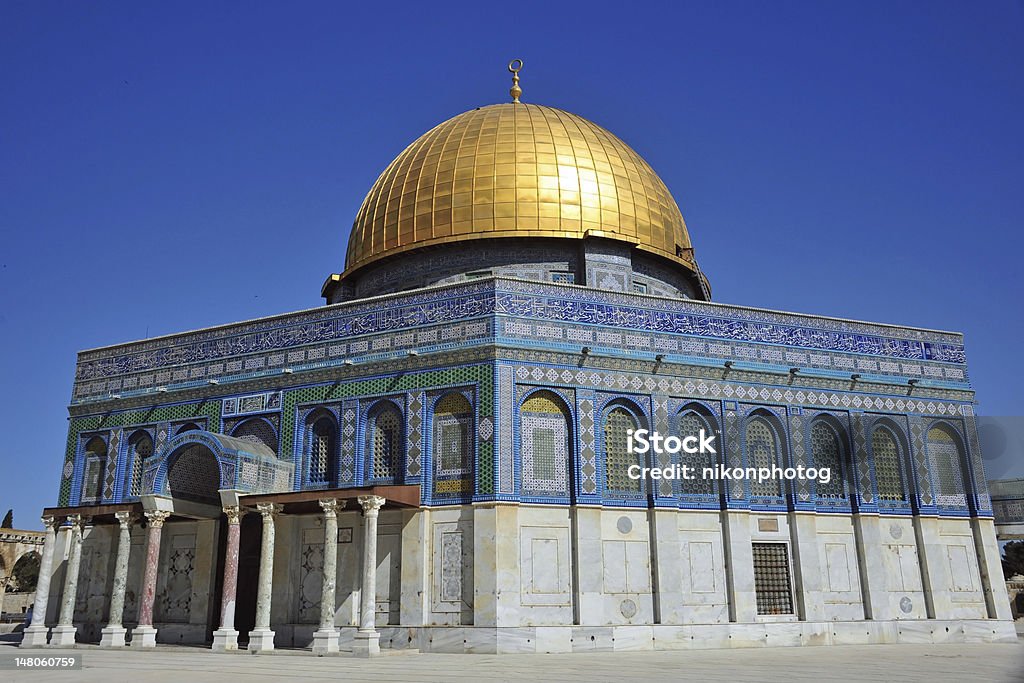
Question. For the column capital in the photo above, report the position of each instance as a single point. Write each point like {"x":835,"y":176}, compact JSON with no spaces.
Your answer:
{"x":75,"y":521}
{"x":331,"y":506}
{"x":268,"y":509}
{"x":125,"y":518}
{"x":49,"y":522}
{"x":234,"y":513}
{"x":156,"y":518}
{"x":372,"y":503}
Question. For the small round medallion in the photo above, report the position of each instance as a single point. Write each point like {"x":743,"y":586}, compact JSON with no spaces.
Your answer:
{"x":628,"y":608}
{"x":624,"y":525}
{"x":896,"y":531}
{"x":906,"y":604}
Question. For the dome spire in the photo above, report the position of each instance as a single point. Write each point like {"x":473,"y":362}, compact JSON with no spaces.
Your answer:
{"x":515,"y":91}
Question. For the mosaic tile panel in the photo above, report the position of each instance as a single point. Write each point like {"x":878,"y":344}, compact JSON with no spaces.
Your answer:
{"x":110,"y":477}
{"x":78,"y":425}
{"x":802,"y":486}
{"x":865,"y":487}
{"x":414,"y":431}
{"x":505,"y":449}
{"x":922,"y":471}
{"x":983,"y":499}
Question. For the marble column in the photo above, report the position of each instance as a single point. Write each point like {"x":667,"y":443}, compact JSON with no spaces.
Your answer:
{"x":261,"y":638}
{"x":113,"y":634}
{"x":63,"y":634}
{"x":325,"y":640}
{"x":367,"y":639}
{"x":35,"y":635}
{"x":144,"y":634}
{"x":226,"y":637}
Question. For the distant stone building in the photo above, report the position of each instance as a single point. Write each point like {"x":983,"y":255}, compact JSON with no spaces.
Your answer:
{"x":438,"y":458}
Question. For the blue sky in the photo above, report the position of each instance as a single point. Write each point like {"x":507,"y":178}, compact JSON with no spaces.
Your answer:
{"x":165,"y":167}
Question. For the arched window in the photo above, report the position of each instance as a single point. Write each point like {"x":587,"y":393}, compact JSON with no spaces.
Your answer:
{"x":618,"y":422}
{"x":321,"y":447}
{"x":453,"y":445}
{"x":545,"y":446}
{"x":257,"y":430}
{"x":827,"y":451}
{"x":763,"y":451}
{"x":95,"y":459}
{"x":140,"y":447}
{"x":946,"y":458}
{"x":385,"y":445}
{"x":691,"y":423}
{"x":888,"y":467}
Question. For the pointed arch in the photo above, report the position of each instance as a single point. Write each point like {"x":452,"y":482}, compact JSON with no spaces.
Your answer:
{"x":764,"y":442}
{"x":385,"y":443}
{"x":94,"y":466}
{"x":620,"y":418}
{"x":946,"y":460}
{"x":140,"y":449}
{"x":320,"y":447}
{"x":257,"y":430}
{"x":888,"y":453}
{"x":690,"y":421}
{"x":453,"y":448}
{"x":829,"y":447}
{"x":545,"y":445}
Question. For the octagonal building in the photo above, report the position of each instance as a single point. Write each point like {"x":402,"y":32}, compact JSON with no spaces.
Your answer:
{"x":438,"y":457}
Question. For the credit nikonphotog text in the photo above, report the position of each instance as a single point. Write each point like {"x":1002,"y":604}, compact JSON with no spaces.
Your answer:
{"x":642,"y":442}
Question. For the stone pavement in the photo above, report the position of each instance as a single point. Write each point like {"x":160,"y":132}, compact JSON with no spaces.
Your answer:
{"x":975,"y":663}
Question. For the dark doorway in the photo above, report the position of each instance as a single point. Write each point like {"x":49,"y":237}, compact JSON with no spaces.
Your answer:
{"x":248,"y":575}
{"x":213,"y":623}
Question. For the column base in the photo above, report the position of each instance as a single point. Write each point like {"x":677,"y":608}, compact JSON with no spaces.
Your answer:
{"x":325,"y":641}
{"x":366,"y":644}
{"x":144,"y":636}
{"x":63,"y":636}
{"x":113,"y":636}
{"x":35,"y":636}
{"x":225,"y":640}
{"x":261,"y":640}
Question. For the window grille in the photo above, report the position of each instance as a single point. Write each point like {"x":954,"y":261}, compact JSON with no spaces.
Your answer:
{"x":772,"y":579}
{"x":617,"y":424}
{"x":142,"y":448}
{"x":386,"y":443}
{"x":691,"y":423}
{"x":826,"y":450}
{"x":888,"y":472}
{"x":257,"y":431}
{"x":763,"y":451}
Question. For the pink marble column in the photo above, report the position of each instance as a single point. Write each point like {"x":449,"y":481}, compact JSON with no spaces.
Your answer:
{"x":144,"y":634}
{"x":226,"y":637}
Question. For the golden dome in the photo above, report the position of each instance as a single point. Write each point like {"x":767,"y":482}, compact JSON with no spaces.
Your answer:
{"x":517,"y":170}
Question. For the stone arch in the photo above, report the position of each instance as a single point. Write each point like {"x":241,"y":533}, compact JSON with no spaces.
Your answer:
{"x":194,"y":474}
{"x":28,"y":560}
{"x":257,"y":430}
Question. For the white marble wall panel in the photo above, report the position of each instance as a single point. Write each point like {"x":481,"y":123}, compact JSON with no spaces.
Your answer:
{"x":702,"y":576}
